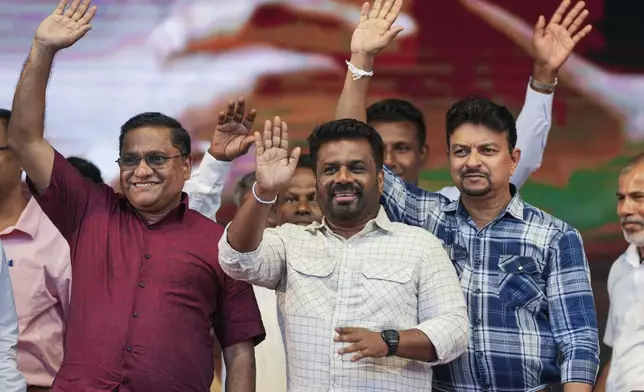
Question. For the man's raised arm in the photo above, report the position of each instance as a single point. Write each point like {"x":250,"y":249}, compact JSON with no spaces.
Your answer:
{"x":232,"y":138}
{"x":59,"y":30}
{"x":373,"y":34}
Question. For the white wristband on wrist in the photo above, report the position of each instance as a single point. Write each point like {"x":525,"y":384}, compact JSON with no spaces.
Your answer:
{"x":357,"y":72}
{"x":260,"y":200}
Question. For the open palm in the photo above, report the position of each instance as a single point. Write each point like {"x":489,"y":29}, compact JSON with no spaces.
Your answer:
{"x":63,"y":27}
{"x":232,"y":137}
{"x":375,"y":31}
{"x":275,"y":166}
{"x":553,"y":43}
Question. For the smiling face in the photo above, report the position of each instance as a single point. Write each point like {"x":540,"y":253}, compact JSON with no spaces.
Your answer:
{"x":480,"y":160}
{"x":155,"y":184}
{"x":348,"y":182}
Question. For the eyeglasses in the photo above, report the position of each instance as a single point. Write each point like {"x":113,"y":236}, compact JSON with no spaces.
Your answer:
{"x":153,"y":160}
{"x":2,"y":148}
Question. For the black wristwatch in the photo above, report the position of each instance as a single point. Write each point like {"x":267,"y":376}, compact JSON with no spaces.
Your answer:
{"x":391,"y":338}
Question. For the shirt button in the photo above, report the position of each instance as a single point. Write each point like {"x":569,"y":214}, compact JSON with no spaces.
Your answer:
{"x":477,"y":291}
{"x":479,"y":354}
{"x":478,"y":321}
{"x":129,"y":348}
{"x":349,"y":248}
{"x":336,"y":355}
{"x":147,"y":256}
{"x":141,"y":284}
{"x":125,"y":381}
{"x":135,"y":314}
{"x":342,"y":300}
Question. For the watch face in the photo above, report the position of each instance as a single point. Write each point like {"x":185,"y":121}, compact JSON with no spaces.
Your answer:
{"x":393,"y":335}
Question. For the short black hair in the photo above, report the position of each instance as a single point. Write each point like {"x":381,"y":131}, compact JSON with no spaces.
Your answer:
{"x":395,"y":110}
{"x":305,"y":162}
{"x":5,"y":114}
{"x":179,"y":136}
{"x":87,"y":169}
{"x":342,"y":130}
{"x":478,"y":110}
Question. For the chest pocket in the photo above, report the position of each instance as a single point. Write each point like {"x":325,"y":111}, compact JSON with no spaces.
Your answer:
{"x":386,"y":290}
{"x":309,"y":282}
{"x":518,"y":282}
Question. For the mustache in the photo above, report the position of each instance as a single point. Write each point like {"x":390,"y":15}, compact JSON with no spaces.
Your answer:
{"x":345,"y":187}
{"x":624,"y":221}
{"x":470,"y":171}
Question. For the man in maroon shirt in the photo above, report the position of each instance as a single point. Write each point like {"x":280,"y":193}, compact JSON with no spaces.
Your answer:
{"x":147,"y":283}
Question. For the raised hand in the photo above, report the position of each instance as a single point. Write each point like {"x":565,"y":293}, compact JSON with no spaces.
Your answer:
{"x":232,"y":137}
{"x":274,"y":165}
{"x":63,"y":27}
{"x":553,"y":43}
{"x":375,"y":31}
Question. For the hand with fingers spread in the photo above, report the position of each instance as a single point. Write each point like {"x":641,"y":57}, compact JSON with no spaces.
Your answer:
{"x":364,"y":343}
{"x":233,"y":137}
{"x":63,"y":28}
{"x":375,"y":31}
{"x":274,"y":164}
{"x":553,"y":43}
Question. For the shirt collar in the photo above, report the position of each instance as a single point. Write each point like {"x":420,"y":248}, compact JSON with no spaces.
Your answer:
{"x":514,"y":208}
{"x":381,"y":221}
{"x":29,"y":220}
{"x":632,"y":256}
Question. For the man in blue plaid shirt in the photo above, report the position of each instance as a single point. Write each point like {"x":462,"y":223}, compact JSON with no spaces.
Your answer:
{"x":524,"y":273}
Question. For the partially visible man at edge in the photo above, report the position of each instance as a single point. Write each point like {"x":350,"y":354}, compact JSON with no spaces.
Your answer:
{"x":625,"y":325}
{"x":40,"y":273}
{"x":11,"y":380}
{"x":133,"y":252}
{"x":523,"y":272}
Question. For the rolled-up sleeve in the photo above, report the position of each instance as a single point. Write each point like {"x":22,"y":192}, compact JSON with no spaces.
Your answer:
{"x":442,"y":311}
{"x":265,"y":266}
{"x":205,"y":187}
{"x":10,"y":378}
{"x":533,"y":126}
{"x":573,"y":320}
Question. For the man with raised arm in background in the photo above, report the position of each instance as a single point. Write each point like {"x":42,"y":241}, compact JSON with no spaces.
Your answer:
{"x":147,"y":288}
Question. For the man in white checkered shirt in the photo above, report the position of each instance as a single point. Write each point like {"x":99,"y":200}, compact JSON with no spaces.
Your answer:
{"x":364,"y":304}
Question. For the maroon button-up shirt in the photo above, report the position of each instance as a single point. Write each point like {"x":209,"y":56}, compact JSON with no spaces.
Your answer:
{"x":144,"y":297}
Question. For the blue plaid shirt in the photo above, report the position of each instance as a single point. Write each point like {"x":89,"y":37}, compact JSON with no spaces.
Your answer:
{"x":527,"y":285}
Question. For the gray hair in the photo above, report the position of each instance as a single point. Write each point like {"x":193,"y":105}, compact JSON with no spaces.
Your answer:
{"x":634,"y":161}
{"x":243,"y":185}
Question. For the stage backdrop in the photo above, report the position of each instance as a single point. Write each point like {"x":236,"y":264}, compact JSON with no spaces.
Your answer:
{"x":187,"y":58}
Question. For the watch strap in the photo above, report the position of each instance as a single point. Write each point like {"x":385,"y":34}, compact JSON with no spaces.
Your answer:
{"x":392,"y":339}
{"x":549,"y":87}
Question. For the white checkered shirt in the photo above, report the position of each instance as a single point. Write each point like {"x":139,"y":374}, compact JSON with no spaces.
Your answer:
{"x":388,"y":276}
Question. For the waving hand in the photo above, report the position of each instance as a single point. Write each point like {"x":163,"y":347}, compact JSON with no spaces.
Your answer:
{"x":275,"y":166}
{"x":375,"y":30}
{"x":554,"y":42}
{"x":63,"y":27}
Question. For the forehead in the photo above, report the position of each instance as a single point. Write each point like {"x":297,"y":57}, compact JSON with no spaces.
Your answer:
{"x":147,"y":138}
{"x":477,"y":135}
{"x":344,"y":151}
{"x":396,"y":131}
{"x":632,"y":180}
{"x":303,"y":180}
